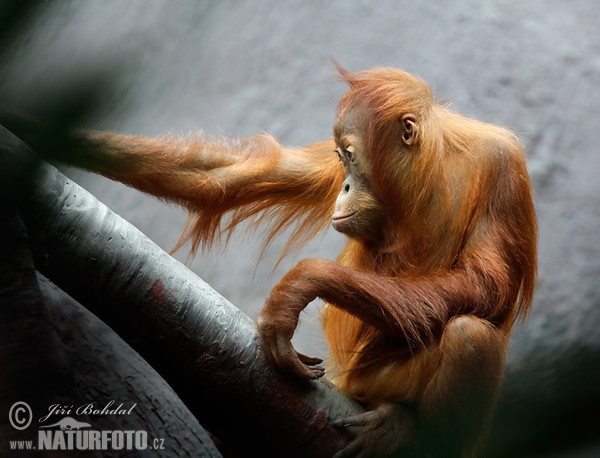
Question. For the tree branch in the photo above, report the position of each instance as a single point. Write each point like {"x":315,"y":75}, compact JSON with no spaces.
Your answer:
{"x":206,"y":348}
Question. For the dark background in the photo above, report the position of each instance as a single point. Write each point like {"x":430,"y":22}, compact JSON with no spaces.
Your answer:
{"x":239,"y":68}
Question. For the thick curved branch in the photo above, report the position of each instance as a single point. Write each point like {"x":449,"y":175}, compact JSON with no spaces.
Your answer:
{"x":206,"y":348}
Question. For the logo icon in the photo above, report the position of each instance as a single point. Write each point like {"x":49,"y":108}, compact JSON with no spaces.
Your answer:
{"x":20,"y":415}
{"x":68,"y":424}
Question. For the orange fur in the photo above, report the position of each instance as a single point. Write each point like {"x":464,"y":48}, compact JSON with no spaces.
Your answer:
{"x":255,"y":178}
{"x":419,"y":314}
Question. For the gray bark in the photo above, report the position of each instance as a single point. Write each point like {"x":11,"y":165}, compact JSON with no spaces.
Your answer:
{"x":203,"y":346}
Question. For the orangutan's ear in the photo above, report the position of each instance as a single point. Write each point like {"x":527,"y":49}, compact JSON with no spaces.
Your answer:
{"x":410,"y":129}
